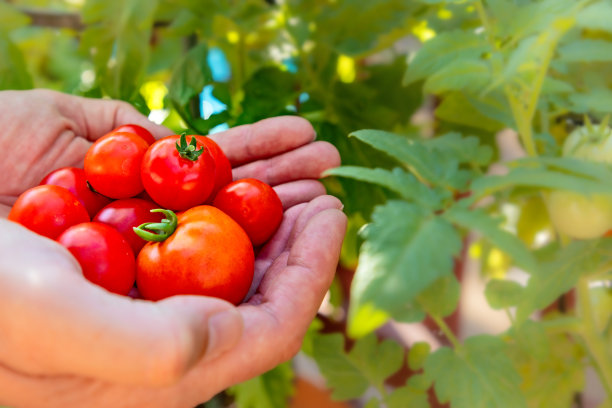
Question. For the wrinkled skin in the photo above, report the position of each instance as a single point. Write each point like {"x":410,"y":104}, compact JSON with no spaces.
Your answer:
{"x":67,"y":342}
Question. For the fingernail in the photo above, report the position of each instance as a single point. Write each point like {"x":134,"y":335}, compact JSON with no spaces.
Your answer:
{"x":224,"y":331}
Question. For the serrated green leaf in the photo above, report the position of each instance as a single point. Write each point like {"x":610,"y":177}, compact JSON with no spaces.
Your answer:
{"x":586,"y":50}
{"x":368,"y":363}
{"x":13,"y":69}
{"x":502,"y":294}
{"x":398,"y":180}
{"x":406,"y":249}
{"x":418,"y":354}
{"x":443,"y":50}
{"x":560,"y":272}
{"x":269,"y":390}
{"x":463,"y":75}
{"x":490,"y":228}
{"x":466,"y":149}
{"x":479,"y":375}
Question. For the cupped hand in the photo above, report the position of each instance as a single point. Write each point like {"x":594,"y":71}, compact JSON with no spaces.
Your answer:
{"x":67,"y":342}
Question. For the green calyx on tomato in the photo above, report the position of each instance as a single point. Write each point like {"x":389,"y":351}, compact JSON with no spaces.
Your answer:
{"x":188,"y":151}
{"x":158,"y":231}
{"x":589,"y":141}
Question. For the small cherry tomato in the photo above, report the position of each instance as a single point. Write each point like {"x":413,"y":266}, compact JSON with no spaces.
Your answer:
{"x":112,"y":164}
{"x":176,"y":174}
{"x":73,"y":179}
{"x":223,"y":167}
{"x":254,"y":205}
{"x":127,"y":213}
{"x":48,"y":210}
{"x":201,"y":252}
{"x":139,"y":130}
{"x":104,"y":255}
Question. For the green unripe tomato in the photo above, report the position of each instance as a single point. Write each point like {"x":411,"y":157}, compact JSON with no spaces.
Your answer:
{"x":579,"y":216}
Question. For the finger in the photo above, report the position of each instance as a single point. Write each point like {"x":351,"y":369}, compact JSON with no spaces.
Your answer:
{"x":265,"y":138}
{"x":150,"y":343}
{"x":305,"y":162}
{"x":99,"y":116}
{"x":300,"y":191}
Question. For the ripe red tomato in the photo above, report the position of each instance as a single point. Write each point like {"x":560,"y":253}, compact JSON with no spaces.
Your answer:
{"x":139,"y":130}
{"x":127,"y":213}
{"x":104,"y":255}
{"x":254,"y":205}
{"x":73,"y":179}
{"x":223,"y":167}
{"x":48,"y":210}
{"x":178,"y":175}
{"x":207,"y":254}
{"x":112,"y":164}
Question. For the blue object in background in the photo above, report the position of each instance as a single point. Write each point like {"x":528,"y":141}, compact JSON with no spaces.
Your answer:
{"x":219,"y":66}
{"x":221,"y":72}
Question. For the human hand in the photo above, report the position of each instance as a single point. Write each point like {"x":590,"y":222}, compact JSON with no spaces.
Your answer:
{"x":70,"y":343}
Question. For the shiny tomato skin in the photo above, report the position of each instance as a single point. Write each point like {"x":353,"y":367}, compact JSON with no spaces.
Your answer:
{"x":104,"y":255}
{"x":173,"y":182}
{"x":48,"y":210}
{"x":254,"y":205}
{"x":223,"y":167}
{"x":208,"y":254}
{"x":74,"y":180}
{"x":139,"y":130}
{"x":112,"y":164}
{"x":127,"y":213}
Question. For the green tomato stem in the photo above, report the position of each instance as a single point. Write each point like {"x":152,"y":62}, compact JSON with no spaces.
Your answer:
{"x":596,"y":345}
{"x":447,"y":331}
{"x":188,"y":150}
{"x":158,"y":231}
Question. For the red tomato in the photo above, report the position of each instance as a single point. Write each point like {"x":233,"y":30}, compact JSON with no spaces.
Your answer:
{"x":139,"y":130}
{"x":104,"y":255}
{"x":127,"y":213}
{"x":207,"y":254}
{"x":178,"y":175}
{"x":112,"y":164}
{"x":223,"y":167}
{"x":254,"y":205}
{"x":73,"y":179}
{"x":48,"y":210}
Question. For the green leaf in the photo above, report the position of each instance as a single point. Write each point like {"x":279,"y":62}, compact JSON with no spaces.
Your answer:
{"x":442,"y":51}
{"x":190,"y":76}
{"x":13,"y":69}
{"x":479,"y":375}
{"x":502,"y":294}
{"x":406,"y":249}
{"x":586,"y":50}
{"x":117,"y":37}
{"x":463,"y":75}
{"x":465,"y":149}
{"x":595,"y":100}
{"x":267,"y":93}
{"x":269,"y":390}
{"x":441,"y":297}
{"x":597,"y":16}
{"x":482,"y":113}
{"x":560,"y":271}
{"x":11,"y":18}
{"x":368,"y":363}
{"x":398,"y":180}
{"x":407,"y":396}
{"x":490,"y":228}
{"x":418,"y":354}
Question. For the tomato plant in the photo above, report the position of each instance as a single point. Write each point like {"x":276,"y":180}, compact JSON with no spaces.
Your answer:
{"x":104,"y":255}
{"x":48,"y":210}
{"x":254,"y":205}
{"x":139,"y":130}
{"x":126,"y":214}
{"x":177,"y":174}
{"x":112,"y":164}
{"x":74,"y":180}
{"x":200,"y":252}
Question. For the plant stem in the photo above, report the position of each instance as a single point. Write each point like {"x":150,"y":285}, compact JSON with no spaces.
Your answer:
{"x":447,"y":331}
{"x":596,"y":345}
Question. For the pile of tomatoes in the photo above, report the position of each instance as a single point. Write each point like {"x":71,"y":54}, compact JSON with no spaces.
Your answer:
{"x":155,"y":218}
